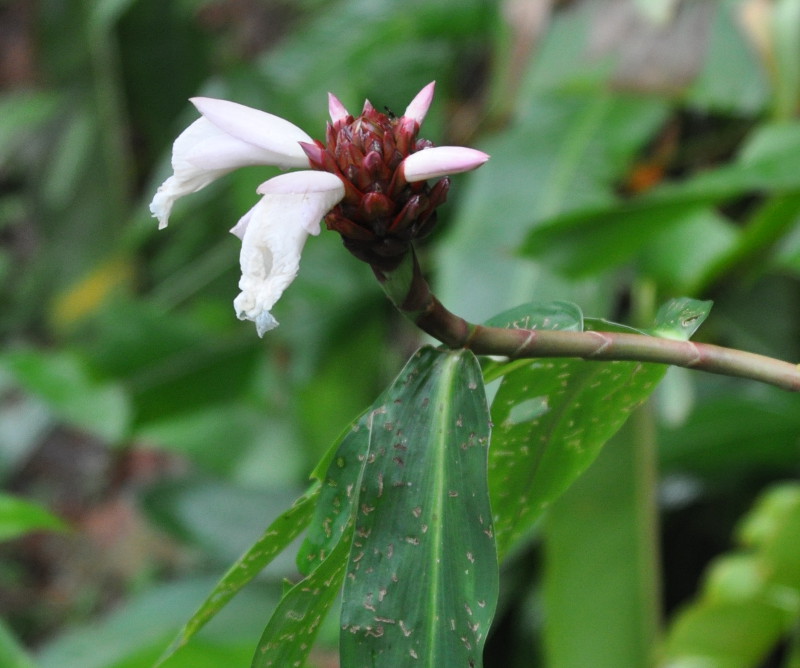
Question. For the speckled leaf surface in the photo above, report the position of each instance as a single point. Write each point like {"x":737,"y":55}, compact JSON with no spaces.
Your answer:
{"x":421,"y":580}
{"x":340,"y":483}
{"x":274,"y":540}
{"x":289,"y":635}
{"x":552,"y":416}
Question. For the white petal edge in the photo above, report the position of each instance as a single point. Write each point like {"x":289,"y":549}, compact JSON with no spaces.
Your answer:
{"x":328,"y":187}
{"x":273,"y":134}
{"x":431,"y":163}
{"x":201,"y":154}
{"x":273,"y":234}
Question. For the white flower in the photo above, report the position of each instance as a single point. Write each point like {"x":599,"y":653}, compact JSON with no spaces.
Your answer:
{"x":274,"y":231}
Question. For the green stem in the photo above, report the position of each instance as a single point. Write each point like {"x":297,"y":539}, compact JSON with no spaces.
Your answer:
{"x":411,"y":294}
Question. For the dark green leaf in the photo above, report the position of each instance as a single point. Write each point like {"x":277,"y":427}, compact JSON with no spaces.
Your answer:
{"x":291,"y":630}
{"x":275,"y":539}
{"x":289,"y":635}
{"x":334,"y":509}
{"x":422,"y":578}
{"x":552,"y":416}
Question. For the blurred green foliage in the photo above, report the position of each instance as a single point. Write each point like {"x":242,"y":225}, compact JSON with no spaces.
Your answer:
{"x":636,"y":157}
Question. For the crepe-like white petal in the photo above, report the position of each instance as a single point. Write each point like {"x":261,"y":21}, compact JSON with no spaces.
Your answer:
{"x":431,"y":163}
{"x":201,"y":154}
{"x":324,"y":184}
{"x":418,"y":107}
{"x":273,"y":234}
{"x":274,"y":135}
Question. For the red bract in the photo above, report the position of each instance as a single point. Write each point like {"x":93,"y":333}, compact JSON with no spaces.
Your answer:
{"x":381,"y":213}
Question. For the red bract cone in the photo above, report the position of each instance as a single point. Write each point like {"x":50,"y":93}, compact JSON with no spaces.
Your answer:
{"x":386,"y":205}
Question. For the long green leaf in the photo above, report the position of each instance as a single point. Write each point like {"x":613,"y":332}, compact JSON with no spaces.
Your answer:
{"x":593,"y":239}
{"x":422,"y":578}
{"x":291,"y":630}
{"x":552,"y":416}
{"x":289,"y":635}
{"x":339,"y":492}
{"x":275,"y":539}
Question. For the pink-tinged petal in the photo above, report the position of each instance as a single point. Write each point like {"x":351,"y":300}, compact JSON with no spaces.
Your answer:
{"x":336,"y":109}
{"x":277,"y":137}
{"x":419,"y":106}
{"x":273,"y":234}
{"x":431,"y":163}
{"x":201,"y":154}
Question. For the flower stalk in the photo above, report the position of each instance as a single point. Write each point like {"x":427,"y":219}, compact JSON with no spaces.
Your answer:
{"x":408,"y":290}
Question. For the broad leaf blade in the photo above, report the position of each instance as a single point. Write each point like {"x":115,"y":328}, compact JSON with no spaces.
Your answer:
{"x":422,"y":578}
{"x":275,"y":539}
{"x":552,"y":417}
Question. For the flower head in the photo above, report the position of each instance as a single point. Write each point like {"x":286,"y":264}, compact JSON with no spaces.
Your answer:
{"x":369,"y":181}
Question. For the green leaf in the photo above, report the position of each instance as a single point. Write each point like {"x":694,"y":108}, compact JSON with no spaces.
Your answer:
{"x":62,"y":380}
{"x":594,"y":239}
{"x":422,"y":577}
{"x":275,"y":539}
{"x":18,"y":517}
{"x":565,"y":316}
{"x":290,"y":632}
{"x":552,"y":416}
{"x":334,"y":509}
{"x":681,"y":318}
{"x":751,"y":596}
{"x":12,"y":654}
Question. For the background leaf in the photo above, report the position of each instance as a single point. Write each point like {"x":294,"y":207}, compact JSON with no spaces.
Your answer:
{"x":18,"y":517}
{"x":750,"y":597}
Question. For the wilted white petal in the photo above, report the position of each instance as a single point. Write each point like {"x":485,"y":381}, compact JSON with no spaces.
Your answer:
{"x":431,"y":163}
{"x":273,"y":234}
{"x":277,"y":137}
{"x":418,"y":107}
{"x":201,"y":154}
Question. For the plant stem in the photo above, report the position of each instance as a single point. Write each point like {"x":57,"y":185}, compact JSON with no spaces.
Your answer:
{"x":411,"y":294}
